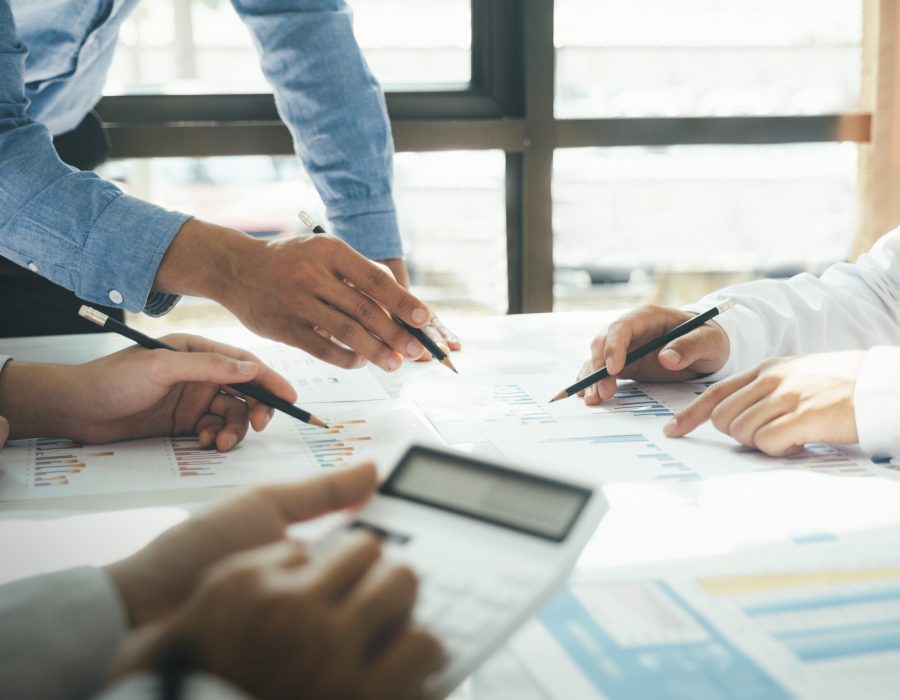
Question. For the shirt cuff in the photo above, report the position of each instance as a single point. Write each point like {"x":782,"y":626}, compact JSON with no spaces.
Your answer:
{"x":61,"y":632}
{"x":119,"y":265}
{"x":370,"y":226}
{"x":200,"y":686}
{"x":876,"y":402}
{"x":746,"y":336}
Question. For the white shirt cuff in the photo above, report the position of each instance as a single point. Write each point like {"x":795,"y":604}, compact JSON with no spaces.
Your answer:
{"x":877,"y":402}
{"x":199,"y":686}
{"x":746,"y":335}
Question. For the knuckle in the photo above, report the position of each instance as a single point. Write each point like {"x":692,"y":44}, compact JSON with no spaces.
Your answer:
{"x":363,"y":310}
{"x":306,"y":275}
{"x":720,"y":420}
{"x":344,"y":329}
{"x":376,"y":278}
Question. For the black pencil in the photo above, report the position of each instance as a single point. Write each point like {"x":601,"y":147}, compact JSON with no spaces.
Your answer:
{"x":251,"y":390}
{"x":647,"y":348}
{"x":417,"y":333}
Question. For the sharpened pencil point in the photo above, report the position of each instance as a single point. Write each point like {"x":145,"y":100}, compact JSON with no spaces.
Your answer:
{"x":560,"y":395}
{"x":318,"y":422}
{"x":449,"y":365}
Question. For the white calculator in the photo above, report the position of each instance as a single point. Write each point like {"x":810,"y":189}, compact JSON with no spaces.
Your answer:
{"x":490,"y":543}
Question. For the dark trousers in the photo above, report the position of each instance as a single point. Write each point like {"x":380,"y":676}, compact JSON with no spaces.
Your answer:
{"x":30,"y":304}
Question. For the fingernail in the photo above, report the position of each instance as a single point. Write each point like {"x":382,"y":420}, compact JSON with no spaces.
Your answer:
{"x":671,"y":356}
{"x":248,"y":368}
{"x":590,"y":390}
{"x":419,"y":315}
{"x":361,"y":362}
{"x":269,"y":414}
{"x":230,"y":441}
{"x":394,"y":362}
{"x":414,"y":349}
{"x":669,"y":427}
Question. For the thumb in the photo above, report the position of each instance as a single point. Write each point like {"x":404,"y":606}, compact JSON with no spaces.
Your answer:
{"x":174,"y":367}
{"x":703,"y":350}
{"x":314,"y":497}
{"x":4,"y":430}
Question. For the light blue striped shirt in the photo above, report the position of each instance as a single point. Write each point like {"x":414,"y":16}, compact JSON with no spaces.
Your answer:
{"x":83,"y":232}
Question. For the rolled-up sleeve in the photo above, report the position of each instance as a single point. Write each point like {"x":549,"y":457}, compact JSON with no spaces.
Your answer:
{"x":74,"y":228}
{"x":335,"y":110}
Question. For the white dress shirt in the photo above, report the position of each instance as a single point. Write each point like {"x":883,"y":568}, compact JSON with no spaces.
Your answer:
{"x":850,"y":307}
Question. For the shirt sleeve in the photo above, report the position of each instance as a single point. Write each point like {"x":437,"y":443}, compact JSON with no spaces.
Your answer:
{"x":850,"y":307}
{"x":200,"y":686}
{"x":877,"y":402}
{"x":60,"y":632}
{"x":72,"y":227}
{"x":335,"y":110}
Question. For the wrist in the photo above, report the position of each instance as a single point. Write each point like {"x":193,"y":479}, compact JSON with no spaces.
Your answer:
{"x":205,"y":260}
{"x":35,"y":399}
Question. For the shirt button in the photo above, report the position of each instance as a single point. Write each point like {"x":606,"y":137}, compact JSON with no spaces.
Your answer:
{"x":115,"y":296}
{"x":32,"y":266}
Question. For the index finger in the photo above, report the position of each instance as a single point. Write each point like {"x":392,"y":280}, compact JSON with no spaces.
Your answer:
{"x":323,"y":494}
{"x":701,"y":409}
{"x":265,"y":377}
{"x":383,"y":288}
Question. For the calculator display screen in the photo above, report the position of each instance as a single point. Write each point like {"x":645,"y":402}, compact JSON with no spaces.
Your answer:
{"x":524,"y":502}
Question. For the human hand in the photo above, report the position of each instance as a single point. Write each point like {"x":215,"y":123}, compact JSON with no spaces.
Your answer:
{"x":161,"y":576}
{"x":280,"y":622}
{"x":442,"y":336}
{"x":700,"y":352}
{"x":296,"y":290}
{"x":141,"y":393}
{"x":782,"y":404}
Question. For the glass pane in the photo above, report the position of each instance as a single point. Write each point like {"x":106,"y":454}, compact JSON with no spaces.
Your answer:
{"x":707,"y":57}
{"x":201,"y":46}
{"x":451,"y":207}
{"x":666,"y":225}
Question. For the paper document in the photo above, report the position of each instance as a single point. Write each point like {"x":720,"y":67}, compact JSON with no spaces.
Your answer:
{"x":793,"y":629}
{"x":287,"y":449}
{"x":464,"y":409}
{"x":623,"y":440}
{"x":317,"y":381}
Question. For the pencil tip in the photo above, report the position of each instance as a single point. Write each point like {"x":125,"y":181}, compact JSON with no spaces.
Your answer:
{"x":318,"y":422}
{"x":449,"y":365}
{"x":560,"y":395}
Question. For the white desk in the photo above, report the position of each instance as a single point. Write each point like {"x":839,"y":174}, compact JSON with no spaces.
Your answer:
{"x":41,"y":536}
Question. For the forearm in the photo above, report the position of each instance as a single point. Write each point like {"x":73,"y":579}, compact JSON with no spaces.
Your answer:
{"x":35,"y":399}
{"x":206,"y":260}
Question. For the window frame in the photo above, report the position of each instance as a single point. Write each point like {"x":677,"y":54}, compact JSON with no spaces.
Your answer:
{"x":508,"y":105}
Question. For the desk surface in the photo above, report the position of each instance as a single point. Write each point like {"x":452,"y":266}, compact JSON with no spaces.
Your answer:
{"x":41,"y":536}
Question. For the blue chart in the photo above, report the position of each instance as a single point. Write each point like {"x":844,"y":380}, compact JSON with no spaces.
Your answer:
{"x":520,"y":406}
{"x":636,"y":402}
{"x":649,"y":457}
{"x":640,"y":639}
{"x":824,"y":616}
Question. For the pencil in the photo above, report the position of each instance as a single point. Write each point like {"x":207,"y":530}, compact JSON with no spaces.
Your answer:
{"x":417,"y":333}
{"x":251,"y":390}
{"x":647,"y":348}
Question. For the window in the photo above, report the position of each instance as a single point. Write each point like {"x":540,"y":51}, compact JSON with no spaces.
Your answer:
{"x":201,"y":46}
{"x":704,"y":57}
{"x":451,"y":212}
{"x":672,"y":148}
